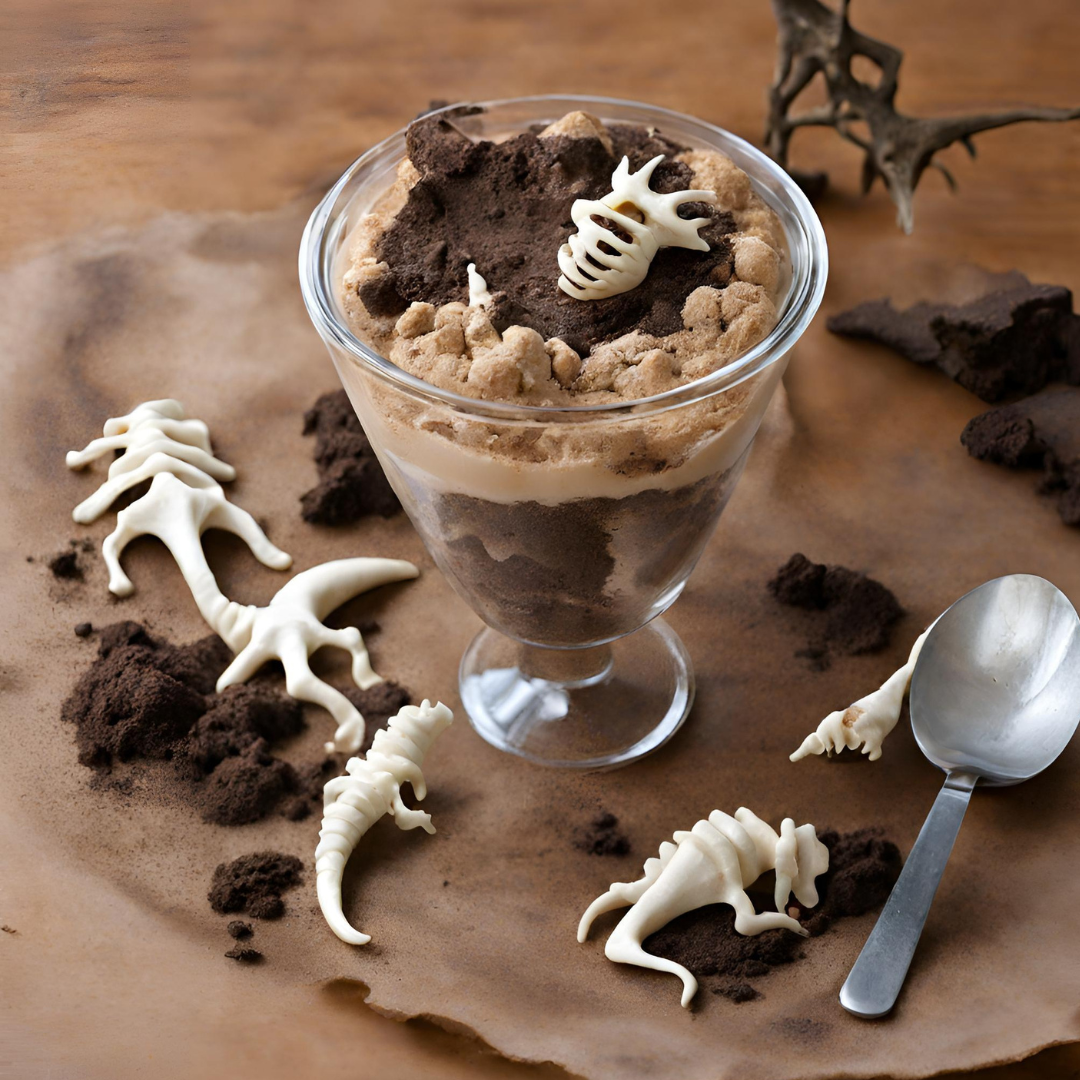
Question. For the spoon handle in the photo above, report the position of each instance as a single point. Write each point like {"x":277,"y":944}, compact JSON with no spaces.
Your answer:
{"x":874,"y":983}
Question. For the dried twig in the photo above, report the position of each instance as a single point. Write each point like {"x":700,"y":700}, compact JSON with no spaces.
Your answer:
{"x":813,"y":39}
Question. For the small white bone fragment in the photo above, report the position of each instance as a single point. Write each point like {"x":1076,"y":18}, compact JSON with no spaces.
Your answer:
{"x":479,"y":295}
{"x":371,"y":788}
{"x":290,"y":629}
{"x":713,"y":863}
{"x":178,"y":515}
{"x":591,"y":271}
{"x":155,"y":437}
{"x":869,"y":720}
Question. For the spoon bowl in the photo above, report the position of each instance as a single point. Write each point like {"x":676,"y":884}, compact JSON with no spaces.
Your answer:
{"x":995,"y":698}
{"x":996,"y":690}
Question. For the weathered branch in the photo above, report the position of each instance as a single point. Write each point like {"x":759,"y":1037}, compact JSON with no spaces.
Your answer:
{"x":815,"y":39}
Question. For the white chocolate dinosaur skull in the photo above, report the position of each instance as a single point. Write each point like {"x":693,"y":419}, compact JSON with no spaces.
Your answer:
{"x":869,"y":720}
{"x":290,"y":629}
{"x":597,"y":263}
{"x":713,"y":863}
{"x":371,"y":788}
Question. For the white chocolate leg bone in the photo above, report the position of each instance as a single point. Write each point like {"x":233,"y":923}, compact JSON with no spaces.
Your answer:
{"x":869,"y":720}
{"x":178,"y":515}
{"x":713,"y":863}
{"x":290,"y":629}
{"x":371,"y":788}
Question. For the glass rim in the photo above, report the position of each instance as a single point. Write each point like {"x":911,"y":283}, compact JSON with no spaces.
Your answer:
{"x":801,"y":304}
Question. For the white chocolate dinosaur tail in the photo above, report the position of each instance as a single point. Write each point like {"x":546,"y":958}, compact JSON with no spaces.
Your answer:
{"x":713,"y":863}
{"x":597,"y":261}
{"x":371,"y":788}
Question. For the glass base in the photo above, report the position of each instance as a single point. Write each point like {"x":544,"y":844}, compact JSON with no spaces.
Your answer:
{"x":595,"y":708}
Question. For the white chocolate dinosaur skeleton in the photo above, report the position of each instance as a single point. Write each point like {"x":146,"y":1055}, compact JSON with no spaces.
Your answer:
{"x":371,"y":788}
{"x":869,"y":720}
{"x":596,"y":262}
{"x":184,"y":501}
{"x":714,"y":863}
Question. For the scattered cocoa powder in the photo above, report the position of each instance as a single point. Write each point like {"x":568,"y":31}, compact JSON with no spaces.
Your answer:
{"x":857,"y":613}
{"x":253,"y":884}
{"x":602,"y":836}
{"x":863,"y":867}
{"x":351,"y":484}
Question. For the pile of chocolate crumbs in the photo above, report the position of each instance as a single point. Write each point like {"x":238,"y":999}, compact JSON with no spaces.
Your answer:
{"x":66,"y":565}
{"x":253,"y":884}
{"x":853,"y":613}
{"x":351,"y":484}
{"x":146,"y":700}
{"x":863,"y":867}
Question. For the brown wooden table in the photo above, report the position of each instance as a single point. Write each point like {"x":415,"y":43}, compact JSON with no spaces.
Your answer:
{"x":114,"y":112}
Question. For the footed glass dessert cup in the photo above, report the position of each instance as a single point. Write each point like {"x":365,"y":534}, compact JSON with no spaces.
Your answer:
{"x":567,"y":530}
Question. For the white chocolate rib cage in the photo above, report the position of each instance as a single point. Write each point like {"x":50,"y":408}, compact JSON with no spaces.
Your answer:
{"x":597,"y":263}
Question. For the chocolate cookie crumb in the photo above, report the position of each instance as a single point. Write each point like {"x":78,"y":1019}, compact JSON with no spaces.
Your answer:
{"x":506,"y":207}
{"x":859,"y":612}
{"x":145,"y":698}
{"x":254,"y":884}
{"x":1040,"y":431}
{"x":603,"y":837}
{"x":1013,"y":340}
{"x":863,"y":867}
{"x":8,"y":929}
{"x":83,"y":629}
{"x":245,"y":953}
{"x":351,"y":484}
{"x":738,"y":992}
{"x":65,"y":566}
{"x":238,"y":929}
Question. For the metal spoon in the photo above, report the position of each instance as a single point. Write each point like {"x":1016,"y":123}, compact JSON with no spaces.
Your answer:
{"x":995,"y":698}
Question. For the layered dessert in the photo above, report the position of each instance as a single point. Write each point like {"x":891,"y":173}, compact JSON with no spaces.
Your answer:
{"x":565,"y":504}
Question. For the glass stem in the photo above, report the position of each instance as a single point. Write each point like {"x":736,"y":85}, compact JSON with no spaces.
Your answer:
{"x":567,"y":667}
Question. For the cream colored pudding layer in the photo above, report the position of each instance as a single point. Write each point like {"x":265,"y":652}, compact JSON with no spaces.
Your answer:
{"x":456,"y":348}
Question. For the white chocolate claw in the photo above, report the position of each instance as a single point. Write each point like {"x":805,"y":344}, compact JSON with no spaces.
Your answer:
{"x":290,"y":629}
{"x":714,"y":863}
{"x":597,"y":263}
{"x":869,"y":720}
{"x":370,"y":789}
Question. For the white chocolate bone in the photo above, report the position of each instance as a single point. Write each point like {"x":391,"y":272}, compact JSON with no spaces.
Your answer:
{"x":714,"y":863}
{"x":290,"y":629}
{"x":591,"y":271}
{"x":178,"y":515}
{"x":155,"y":437}
{"x":479,"y":294}
{"x":371,"y":788}
{"x":869,"y":720}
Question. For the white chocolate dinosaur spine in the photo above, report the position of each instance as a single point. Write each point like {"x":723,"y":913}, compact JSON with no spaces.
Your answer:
{"x":371,"y":788}
{"x":596,"y":262}
{"x":713,"y":863}
{"x":869,"y":720}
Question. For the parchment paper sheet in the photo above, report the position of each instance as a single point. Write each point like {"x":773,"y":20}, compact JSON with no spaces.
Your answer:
{"x":117,"y":961}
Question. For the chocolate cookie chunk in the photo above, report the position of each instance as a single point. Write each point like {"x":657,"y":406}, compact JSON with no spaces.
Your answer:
{"x":506,"y":207}
{"x":1013,"y":340}
{"x":351,"y":484}
{"x":254,"y":884}
{"x":1040,"y":431}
